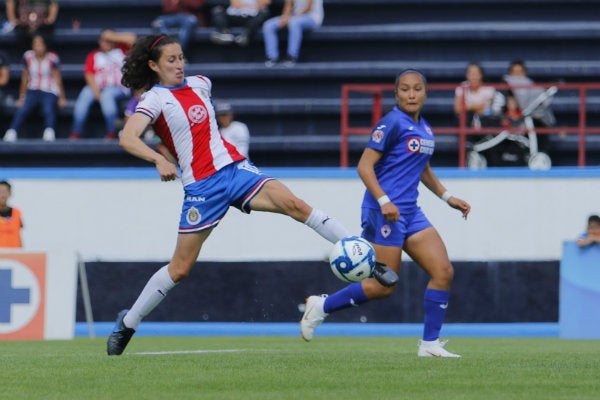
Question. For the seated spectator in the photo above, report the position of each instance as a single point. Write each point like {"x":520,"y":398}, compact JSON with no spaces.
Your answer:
{"x":483,"y":104}
{"x":32,"y":17}
{"x":512,"y":115}
{"x":249,"y":14}
{"x":297,"y":16}
{"x":543,"y":116}
{"x":103,"y":74}
{"x":592,"y":232}
{"x":234,"y":132}
{"x":41,"y":84}
{"x":183,"y":15}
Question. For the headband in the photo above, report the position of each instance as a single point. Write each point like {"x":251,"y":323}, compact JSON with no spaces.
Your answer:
{"x":411,"y":71}
{"x":156,"y":41}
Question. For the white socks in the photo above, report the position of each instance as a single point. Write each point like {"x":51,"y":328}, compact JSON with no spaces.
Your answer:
{"x":154,"y":292}
{"x":330,"y":228}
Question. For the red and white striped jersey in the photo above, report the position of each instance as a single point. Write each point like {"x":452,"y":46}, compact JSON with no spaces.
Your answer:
{"x":106,"y":66}
{"x":41,"y":71}
{"x":184,"y":119}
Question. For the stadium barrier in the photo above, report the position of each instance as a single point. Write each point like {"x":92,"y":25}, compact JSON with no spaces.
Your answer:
{"x":579,"y":292}
{"x":461,"y":130}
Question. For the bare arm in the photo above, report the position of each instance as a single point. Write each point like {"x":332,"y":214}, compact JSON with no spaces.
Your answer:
{"x":431,"y":181}
{"x":11,"y":13}
{"x":127,"y":38}
{"x":130,"y":141}
{"x":62,"y":100}
{"x":366,"y":171}
{"x":4,"y":75}
{"x":52,"y":13}
{"x":23,"y":87}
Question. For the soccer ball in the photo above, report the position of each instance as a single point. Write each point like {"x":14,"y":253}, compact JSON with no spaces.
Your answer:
{"x":352,"y":259}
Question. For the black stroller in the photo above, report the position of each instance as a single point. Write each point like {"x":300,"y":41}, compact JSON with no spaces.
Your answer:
{"x":525,"y":139}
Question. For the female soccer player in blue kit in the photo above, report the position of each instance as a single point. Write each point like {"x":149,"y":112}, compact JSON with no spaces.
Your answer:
{"x":395,"y":160}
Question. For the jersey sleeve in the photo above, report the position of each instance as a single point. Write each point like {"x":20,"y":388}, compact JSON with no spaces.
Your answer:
{"x":149,"y":105}
{"x":383,"y":134}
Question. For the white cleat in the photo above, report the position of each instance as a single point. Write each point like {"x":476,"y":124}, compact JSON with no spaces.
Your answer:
{"x":313,"y":316}
{"x":434,"y":348}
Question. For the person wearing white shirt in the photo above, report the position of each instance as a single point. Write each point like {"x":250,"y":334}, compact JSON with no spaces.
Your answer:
{"x":235,"y":132}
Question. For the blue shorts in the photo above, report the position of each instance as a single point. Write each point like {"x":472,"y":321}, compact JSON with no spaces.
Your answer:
{"x":206,"y":201}
{"x":378,"y":230}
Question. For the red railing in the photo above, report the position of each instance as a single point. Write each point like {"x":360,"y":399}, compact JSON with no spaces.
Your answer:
{"x":462,"y":130}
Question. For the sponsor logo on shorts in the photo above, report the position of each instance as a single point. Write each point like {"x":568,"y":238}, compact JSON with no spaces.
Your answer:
{"x":195,"y":198}
{"x":193,"y":216}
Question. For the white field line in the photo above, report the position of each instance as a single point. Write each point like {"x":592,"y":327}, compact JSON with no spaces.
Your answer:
{"x":163,"y":353}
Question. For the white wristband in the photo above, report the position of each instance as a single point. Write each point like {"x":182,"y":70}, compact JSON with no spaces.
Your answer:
{"x":383,"y":200}
{"x":446,"y":196}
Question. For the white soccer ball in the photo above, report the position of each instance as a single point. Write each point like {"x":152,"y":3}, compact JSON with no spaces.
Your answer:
{"x":352,"y":259}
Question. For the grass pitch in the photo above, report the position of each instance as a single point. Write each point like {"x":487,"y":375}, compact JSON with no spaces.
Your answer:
{"x":287,"y":368}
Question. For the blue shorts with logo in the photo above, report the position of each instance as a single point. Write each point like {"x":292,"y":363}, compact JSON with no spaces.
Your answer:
{"x":206,"y":202}
{"x":378,"y":230}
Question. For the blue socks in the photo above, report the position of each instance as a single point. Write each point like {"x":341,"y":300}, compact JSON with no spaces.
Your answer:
{"x":351,"y":295}
{"x":436,"y":303}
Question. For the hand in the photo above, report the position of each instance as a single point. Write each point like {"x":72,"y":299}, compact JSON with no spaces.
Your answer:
{"x":460,"y":205}
{"x":167,"y":170}
{"x":390,"y":212}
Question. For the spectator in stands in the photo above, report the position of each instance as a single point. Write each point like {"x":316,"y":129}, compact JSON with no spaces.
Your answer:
{"x":4,"y":79}
{"x":214,"y":174}
{"x":11,"y":222}
{"x":392,"y":166}
{"x":592,"y":232}
{"x":297,"y":16}
{"x":544,"y":116}
{"x":235,"y":132}
{"x":512,"y":114}
{"x":32,"y":17}
{"x":482,"y":103}
{"x":250,"y":14}
{"x":183,"y":15}
{"x":103,"y":74}
{"x":41,"y":85}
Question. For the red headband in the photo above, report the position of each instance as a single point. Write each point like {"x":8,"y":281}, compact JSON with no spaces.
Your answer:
{"x":158,"y":39}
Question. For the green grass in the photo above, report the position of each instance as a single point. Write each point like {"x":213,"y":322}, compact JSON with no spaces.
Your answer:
{"x":287,"y":368}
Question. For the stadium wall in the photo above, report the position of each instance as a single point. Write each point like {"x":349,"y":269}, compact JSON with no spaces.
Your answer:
{"x":129,"y":215}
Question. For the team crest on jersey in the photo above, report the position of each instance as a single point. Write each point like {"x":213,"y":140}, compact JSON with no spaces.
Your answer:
{"x":413,"y":145}
{"x":377,"y":135}
{"x":193,"y":217}
{"x":386,"y":230}
{"x":197,"y":114}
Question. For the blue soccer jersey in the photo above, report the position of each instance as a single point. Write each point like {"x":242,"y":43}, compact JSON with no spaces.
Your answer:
{"x":407,"y":147}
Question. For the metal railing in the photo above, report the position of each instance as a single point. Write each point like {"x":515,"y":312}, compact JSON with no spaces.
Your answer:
{"x":377,"y":91}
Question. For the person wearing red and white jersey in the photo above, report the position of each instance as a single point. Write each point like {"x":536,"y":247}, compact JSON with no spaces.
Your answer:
{"x":102,"y":72}
{"x":214,"y":174}
{"x":41,"y":84}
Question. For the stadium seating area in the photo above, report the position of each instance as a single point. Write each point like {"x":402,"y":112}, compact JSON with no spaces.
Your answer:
{"x":294,"y":113}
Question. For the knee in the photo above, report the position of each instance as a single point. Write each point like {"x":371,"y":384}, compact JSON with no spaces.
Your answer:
{"x":179,"y":271}
{"x":443,"y":277}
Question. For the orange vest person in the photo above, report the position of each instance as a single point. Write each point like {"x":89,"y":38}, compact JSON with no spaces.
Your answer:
{"x":11,"y":222}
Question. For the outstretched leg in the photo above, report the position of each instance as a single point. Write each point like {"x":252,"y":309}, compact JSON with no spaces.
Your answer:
{"x":156,"y":289}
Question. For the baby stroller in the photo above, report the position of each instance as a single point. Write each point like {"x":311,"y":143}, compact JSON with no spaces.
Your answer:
{"x":525,"y":140}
